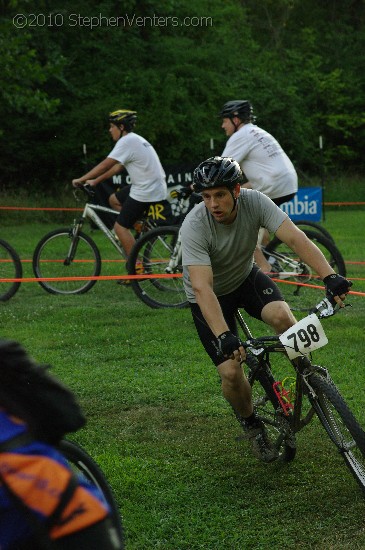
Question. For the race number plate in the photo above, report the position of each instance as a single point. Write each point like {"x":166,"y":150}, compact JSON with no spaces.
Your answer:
{"x":304,"y":337}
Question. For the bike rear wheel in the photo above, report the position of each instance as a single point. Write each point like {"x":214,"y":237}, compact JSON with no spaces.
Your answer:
{"x":151,"y":256}
{"x":60,"y":254}
{"x":298,"y":283}
{"x":340,"y":424}
{"x":86,"y":468}
{"x":10,"y":268}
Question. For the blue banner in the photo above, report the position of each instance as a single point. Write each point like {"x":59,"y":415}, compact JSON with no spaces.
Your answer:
{"x":306,"y":205}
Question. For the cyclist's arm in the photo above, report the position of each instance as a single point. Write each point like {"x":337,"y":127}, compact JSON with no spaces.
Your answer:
{"x":291,"y":235}
{"x":107,"y":175}
{"x":99,"y":169}
{"x":201,"y":278}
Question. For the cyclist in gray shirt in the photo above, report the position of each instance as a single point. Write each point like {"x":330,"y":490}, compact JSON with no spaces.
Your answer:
{"x":219,"y":237}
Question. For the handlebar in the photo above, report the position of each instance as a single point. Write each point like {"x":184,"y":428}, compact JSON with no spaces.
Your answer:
{"x":327,"y":308}
{"x":323,"y":309}
{"x":86,"y":188}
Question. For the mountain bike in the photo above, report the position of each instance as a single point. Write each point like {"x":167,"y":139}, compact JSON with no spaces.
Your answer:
{"x":10,"y":268}
{"x":86,"y":468}
{"x":69,"y":252}
{"x":161,"y":285}
{"x":288,"y":394}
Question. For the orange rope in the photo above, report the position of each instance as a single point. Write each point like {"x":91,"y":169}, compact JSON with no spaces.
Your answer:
{"x":92,"y":278}
{"x":34,"y":208}
{"x":341,"y":203}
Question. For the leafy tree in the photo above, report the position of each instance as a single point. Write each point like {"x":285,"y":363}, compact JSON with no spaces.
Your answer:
{"x":176,"y":63}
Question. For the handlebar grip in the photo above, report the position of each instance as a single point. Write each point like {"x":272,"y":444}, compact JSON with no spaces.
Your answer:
{"x":89,"y":190}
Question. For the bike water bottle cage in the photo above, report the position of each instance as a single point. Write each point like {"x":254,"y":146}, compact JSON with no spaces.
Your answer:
{"x":123,"y":117}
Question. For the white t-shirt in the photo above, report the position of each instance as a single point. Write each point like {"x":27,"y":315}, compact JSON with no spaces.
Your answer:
{"x":228,"y":249}
{"x":263,"y":161}
{"x":148,"y":179}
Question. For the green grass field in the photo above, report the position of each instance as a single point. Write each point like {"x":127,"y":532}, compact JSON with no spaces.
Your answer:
{"x":163,"y":434}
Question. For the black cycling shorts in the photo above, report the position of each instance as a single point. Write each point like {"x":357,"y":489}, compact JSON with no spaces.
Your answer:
{"x":123,"y":193}
{"x":280,"y":200}
{"x":252,"y":295}
{"x":132,"y":210}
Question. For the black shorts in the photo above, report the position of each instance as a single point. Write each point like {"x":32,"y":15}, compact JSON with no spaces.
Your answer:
{"x":123,"y":193}
{"x":132,"y":210}
{"x":281,"y":200}
{"x":252,"y":295}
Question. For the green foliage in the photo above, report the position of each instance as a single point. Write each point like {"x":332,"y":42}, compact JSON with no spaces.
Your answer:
{"x":299,"y":63}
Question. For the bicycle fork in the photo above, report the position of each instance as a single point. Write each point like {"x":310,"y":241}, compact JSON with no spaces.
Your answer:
{"x":74,"y":236}
{"x":175,"y":258}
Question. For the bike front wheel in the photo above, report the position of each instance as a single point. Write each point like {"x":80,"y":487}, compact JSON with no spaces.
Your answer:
{"x":151,"y":256}
{"x":10,"y":268}
{"x":85,"y":468}
{"x":340,"y":424}
{"x":61,"y":255}
{"x":298,"y":283}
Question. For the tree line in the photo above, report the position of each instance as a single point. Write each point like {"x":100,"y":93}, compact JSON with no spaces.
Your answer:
{"x":65,"y":66}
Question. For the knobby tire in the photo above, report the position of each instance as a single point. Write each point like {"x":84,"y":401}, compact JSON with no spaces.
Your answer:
{"x":10,"y":268}
{"x":82,"y":464}
{"x":340,"y":424}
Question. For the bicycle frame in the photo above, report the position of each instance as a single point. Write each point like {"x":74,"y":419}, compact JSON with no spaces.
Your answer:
{"x":302,"y":368}
{"x":90,"y":212}
{"x":297,"y":265}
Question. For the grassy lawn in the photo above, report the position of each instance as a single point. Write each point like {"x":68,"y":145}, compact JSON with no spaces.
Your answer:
{"x":163,"y":434}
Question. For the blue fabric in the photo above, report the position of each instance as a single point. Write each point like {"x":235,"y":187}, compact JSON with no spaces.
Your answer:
{"x":13,"y":526}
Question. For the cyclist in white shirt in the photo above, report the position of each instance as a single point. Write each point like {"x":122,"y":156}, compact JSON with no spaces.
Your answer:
{"x":148,"y":179}
{"x":262,"y":159}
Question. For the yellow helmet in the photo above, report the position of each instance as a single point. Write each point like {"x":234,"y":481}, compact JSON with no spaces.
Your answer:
{"x":123,"y":116}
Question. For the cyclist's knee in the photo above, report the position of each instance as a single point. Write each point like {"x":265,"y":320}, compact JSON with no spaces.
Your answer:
{"x":231,"y":373}
{"x":114,"y":203}
{"x":278,"y":316}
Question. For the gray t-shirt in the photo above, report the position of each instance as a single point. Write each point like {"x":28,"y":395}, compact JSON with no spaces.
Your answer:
{"x":227,"y":248}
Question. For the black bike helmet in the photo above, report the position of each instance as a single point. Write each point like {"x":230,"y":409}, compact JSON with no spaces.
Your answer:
{"x":125,"y":117}
{"x":217,"y":172}
{"x":240,"y":108}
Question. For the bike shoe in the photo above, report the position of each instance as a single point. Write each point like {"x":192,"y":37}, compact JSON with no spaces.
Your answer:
{"x":261,"y":446}
{"x":139,"y":271}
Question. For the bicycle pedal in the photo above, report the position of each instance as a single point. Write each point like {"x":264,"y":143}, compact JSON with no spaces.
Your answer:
{"x":124,"y":282}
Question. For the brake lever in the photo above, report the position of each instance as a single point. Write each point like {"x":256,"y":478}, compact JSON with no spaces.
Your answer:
{"x":326,"y":309}
{"x":76,"y":194}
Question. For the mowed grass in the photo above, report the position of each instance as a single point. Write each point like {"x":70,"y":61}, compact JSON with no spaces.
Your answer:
{"x":163,"y":434}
